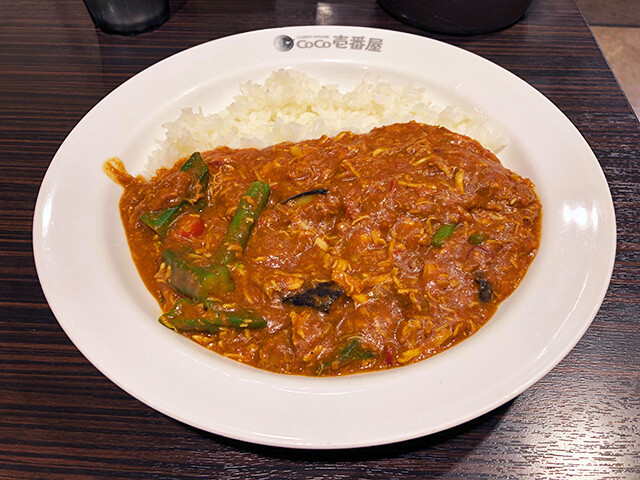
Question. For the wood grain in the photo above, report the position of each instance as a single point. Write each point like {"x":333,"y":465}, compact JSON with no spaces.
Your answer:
{"x":61,"y":419}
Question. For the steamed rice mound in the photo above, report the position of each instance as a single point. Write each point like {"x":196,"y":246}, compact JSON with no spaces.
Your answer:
{"x":293,"y":106}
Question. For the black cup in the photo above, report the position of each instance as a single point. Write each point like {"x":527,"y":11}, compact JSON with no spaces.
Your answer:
{"x":457,"y":16}
{"x":128,"y":17}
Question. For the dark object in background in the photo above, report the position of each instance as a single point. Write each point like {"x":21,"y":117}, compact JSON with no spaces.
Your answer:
{"x":457,"y":16}
{"x":128,"y":17}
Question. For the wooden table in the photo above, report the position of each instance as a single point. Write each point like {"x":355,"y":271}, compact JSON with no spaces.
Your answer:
{"x":61,"y":419}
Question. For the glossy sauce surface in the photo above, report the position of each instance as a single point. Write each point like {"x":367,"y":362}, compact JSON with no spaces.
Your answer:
{"x":421,"y":231}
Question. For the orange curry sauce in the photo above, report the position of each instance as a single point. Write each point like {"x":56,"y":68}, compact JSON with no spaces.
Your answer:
{"x":375,"y":234}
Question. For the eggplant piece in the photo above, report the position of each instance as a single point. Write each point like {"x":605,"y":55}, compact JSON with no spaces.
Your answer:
{"x":486,"y":290}
{"x":320,"y":297}
{"x":299,"y":197}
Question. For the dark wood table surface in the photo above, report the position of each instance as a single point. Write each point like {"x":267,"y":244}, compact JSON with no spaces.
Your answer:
{"x":60,"y":418}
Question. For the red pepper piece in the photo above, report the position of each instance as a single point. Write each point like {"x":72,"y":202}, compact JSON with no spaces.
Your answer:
{"x":190,"y":227}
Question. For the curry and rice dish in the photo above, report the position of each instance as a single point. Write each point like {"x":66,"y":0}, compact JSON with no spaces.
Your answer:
{"x":332,"y":256}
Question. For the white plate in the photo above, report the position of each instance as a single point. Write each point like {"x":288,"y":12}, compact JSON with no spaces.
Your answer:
{"x":93,"y":288}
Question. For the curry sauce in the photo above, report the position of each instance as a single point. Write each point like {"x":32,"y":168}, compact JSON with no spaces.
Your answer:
{"x":336,"y":255}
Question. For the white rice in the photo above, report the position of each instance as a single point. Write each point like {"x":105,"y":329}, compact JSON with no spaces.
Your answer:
{"x":293,"y":106}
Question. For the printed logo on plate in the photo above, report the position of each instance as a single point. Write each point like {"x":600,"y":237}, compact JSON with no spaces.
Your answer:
{"x":284,"y":43}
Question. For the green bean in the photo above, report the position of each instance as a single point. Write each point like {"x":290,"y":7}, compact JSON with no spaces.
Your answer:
{"x":354,"y":351}
{"x":247,"y":213}
{"x":188,"y":317}
{"x":442,"y":234}
{"x":477,"y":238}
{"x":198,"y":170}
{"x":160,"y":221}
{"x":201,"y":282}
{"x":194,"y":281}
{"x":237,"y":318}
{"x":351,"y":351}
